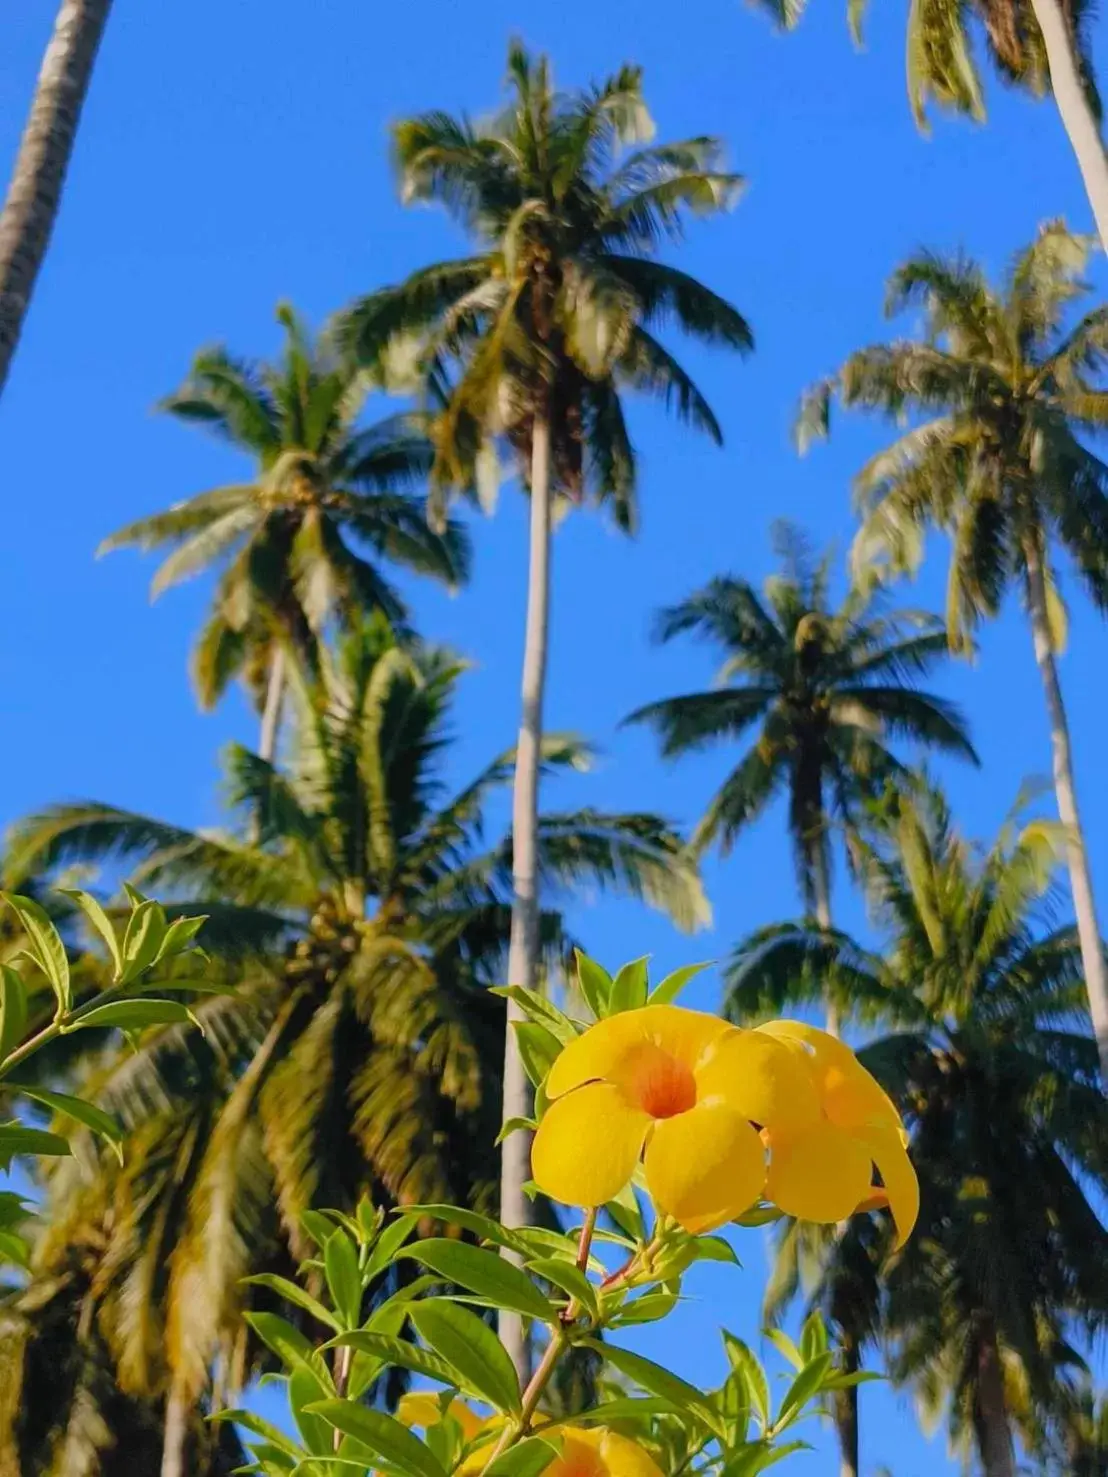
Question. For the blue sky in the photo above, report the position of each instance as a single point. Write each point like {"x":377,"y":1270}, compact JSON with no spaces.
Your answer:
{"x":234,"y":153}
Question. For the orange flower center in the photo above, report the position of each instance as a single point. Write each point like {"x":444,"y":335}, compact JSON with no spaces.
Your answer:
{"x":658,"y":1083}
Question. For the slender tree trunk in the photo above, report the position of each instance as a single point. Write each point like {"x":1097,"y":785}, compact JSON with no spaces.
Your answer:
{"x":821,"y":887}
{"x":515,"y":1167}
{"x":34,"y":194}
{"x":845,"y":1410}
{"x":1081,"y":882}
{"x":175,"y":1439}
{"x":274,"y":701}
{"x":990,"y":1409}
{"x":1078,"y":118}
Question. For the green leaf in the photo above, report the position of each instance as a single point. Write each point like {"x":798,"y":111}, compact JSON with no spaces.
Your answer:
{"x":649,"y":1307}
{"x":539,"y":1049}
{"x":469,"y":1220}
{"x":848,"y":1381}
{"x":290,"y":1345}
{"x":295,"y":1294}
{"x":669,"y":988}
{"x":304,"y":1390}
{"x":515,"y":1125}
{"x":389,"y":1350}
{"x":745,"y":1363}
{"x":142,"y":941}
{"x":630,"y":987}
{"x":14,"y":1251}
{"x":100,"y":922}
{"x":640,"y":1408}
{"x":484,"y":1367}
{"x":13,"y":1011}
{"x":389,"y":1242}
{"x":627,"y":1213}
{"x":318,"y":1226}
{"x":541,"y":1011}
{"x":15,"y":1139}
{"x":344,"y":1281}
{"x":135,"y":1015}
{"x":258,"y":1426}
{"x":784,"y":1345}
{"x":482,"y":1272}
{"x":102,"y":1124}
{"x":46,"y":947}
{"x":179,"y":935}
{"x":813,"y":1336}
{"x":595,"y":984}
{"x":14,"y":1210}
{"x":807,"y":1383}
{"x":659,"y":1381}
{"x":383,"y":1435}
{"x":569,"y":1278}
{"x":528,"y":1458}
{"x":757,"y":1458}
{"x":758,"y":1215}
{"x":714,"y":1249}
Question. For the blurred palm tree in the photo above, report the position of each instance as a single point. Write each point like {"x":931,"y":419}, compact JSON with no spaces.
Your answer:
{"x":281,"y":539}
{"x":989,"y":1057}
{"x":532,"y":343}
{"x":828,"y":690}
{"x":1005,"y":394}
{"x":365,"y":918}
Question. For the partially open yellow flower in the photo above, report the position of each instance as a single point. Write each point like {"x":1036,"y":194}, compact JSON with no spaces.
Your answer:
{"x":700,"y":1101}
{"x":423,"y":1408}
{"x":600,"y":1453}
{"x":821,"y":1168}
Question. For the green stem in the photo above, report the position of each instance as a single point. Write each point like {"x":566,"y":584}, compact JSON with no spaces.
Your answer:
{"x":57,"y":1027}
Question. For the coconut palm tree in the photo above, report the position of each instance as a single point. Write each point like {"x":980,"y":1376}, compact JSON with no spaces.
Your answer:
{"x":532,"y":341}
{"x":281,"y":539}
{"x":1004,"y":392}
{"x":366,"y":916}
{"x":1039,"y":46}
{"x":988,"y":1054}
{"x":35,"y":192}
{"x":826,"y":690}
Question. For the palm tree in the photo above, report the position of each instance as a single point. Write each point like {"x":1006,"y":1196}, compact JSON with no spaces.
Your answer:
{"x":828,"y":689}
{"x":281,"y":539}
{"x":366,"y":917}
{"x":989,"y":1057}
{"x":1038,"y":45}
{"x":531,"y":342}
{"x":998,"y":466}
{"x":34,"y":195}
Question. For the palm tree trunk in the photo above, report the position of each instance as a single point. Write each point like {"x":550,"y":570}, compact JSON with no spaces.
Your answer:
{"x":845,"y":1410}
{"x":175,"y":1438}
{"x":990,"y":1408}
{"x":1081,"y":882}
{"x":515,"y":1164}
{"x":31,"y":207}
{"x":274,"y":700}
{"x":1077,"y":115}
{"x":821,"y":887}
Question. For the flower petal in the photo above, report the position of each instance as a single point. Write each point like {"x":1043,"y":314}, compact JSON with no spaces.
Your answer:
{"x":851,"y":1096}
{"x":587,"y":1145}
{"x":764,"y":1079}
{"x":624,"y":1458}
{"x":422,"y":1408}
{"x":596,"y":1056}
{"x":819,"y":1176}
{"x":897,"y":1176}
{"x":580,"y":1455}
{"x":706,"y":1166}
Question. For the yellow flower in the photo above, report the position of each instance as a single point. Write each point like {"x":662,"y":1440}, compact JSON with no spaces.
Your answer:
{"x":686,"y":1088}
{"x":700,"y":1101}
{"x":600,"y":1453}
{"x":821,"y":1169}
{"x":422,"y":1408}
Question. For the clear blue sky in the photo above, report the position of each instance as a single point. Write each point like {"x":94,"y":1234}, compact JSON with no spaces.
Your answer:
{"x":234,"y":152}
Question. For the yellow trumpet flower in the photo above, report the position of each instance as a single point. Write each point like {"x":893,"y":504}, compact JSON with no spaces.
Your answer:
{"x":700,"y":1101}
{"x":600,"y":1453}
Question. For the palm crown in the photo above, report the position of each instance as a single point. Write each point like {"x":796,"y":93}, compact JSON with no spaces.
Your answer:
{"x":983,"y":1000}
{"x":826,"y":689}
{"x":283,"y":540}
{"x":557,"y":310}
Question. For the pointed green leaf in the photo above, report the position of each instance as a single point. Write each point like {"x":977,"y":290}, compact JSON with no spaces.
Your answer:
{"x":145,"y":933}
{"x":13,"y":1011}
{"x":382,"y":1434}
{"x":745,"y":1363}
{"x":258,"y":1426}
{"x":515,"y":1125}
{"x":178,"y":936}
{"x":595,"y":984}
{"x":541,"y":1011}
{"x":16,"y":1139}
{"x":659,"y":1381}
{"x":102,"y":1124}
{"x":135,"y":1015}
{"x":630,"y":987}
{"x":14,"y":1251}
{"x":344,"y":1281}
{"x":389,"y":1242}
{"x":293,"y":1293}
{"x":469,"y":1346}
{"x":569,"y":1278}
{"x":100,"y":922}
{"x":290,"y":1345}
{"x":528,"y":1458}
{"x":807,"y":1383}
{"x":46,"y":947}
{"x":784,"y":1345}
{"x":539,"y":1049}
{"x":482,"y":1272}
{"x":668,"y":989}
